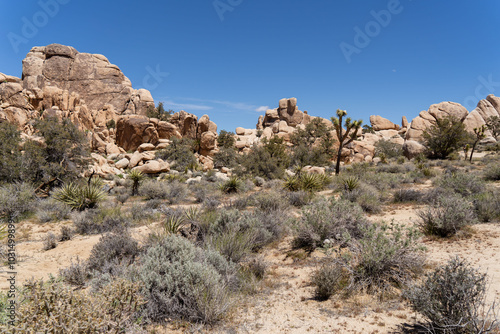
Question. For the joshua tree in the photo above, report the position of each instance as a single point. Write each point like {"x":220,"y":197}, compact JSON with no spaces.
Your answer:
{"x":136,"y":177}
{"x":479,"y":135}
{"x":351,"y":132}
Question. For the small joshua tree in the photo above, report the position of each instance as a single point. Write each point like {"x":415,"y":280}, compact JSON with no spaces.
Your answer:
{"x":352,"y":128}
{"x":136,"y":176}
{"x":479,"y":135}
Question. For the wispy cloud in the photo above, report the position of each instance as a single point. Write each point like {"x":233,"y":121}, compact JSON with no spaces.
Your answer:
{"x":262,"y":109}
{"x":186,"y":106}
{"x":227,"y":104}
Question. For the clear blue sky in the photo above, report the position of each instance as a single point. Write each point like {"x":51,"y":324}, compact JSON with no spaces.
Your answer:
{"x":247,"y":54}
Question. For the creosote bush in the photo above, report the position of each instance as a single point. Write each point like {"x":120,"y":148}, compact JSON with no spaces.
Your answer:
{"x":462,"y":183}
{"x":487,"y":205}
{"x":50,"y":241}
{"x":452,"y":300}
{"x":100,"y":220}
{"x":113,"y":247}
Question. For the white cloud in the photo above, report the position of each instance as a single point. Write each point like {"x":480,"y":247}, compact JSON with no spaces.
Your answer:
{"x":262,"y":109}
{"x":186,"y":106}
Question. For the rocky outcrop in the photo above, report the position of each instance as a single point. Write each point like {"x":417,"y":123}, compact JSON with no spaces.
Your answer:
{"x":379,"y":123}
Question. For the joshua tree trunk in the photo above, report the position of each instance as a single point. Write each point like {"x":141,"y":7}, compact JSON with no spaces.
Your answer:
{"x":351,"y":133}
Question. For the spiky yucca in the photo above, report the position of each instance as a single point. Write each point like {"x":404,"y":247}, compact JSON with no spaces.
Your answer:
{"x":233,"y":185}
{"x":80,"y":197}
{"x":136,"y":176}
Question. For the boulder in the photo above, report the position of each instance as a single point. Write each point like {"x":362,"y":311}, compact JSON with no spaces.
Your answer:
{"x":123,"y":163}
{"x":289,"y":112}
{"x":494,"y":101}
{"x":167,"y":130}
{"x":132,"y":131}
{"x":154,"y":167}
{"x":379,"y":123}
{"x":486,"y":109}
{"x":146,"y":147}
{"x":186,"y":123}
{"x":404,"y":122}
{"x":135,"y":159}
{"x":412,"y":148}
{"x":240,"y":131}
{"x":208,"y":142}
{"x":313,"y":170}
{"x":445,"y":109}
{"x":111,"y":148}
{"x":473,"y":121}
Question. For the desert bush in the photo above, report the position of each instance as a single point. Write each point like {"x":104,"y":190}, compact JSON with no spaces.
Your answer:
{"x":202,"y":190}
{"x":51,"y":210}
{"x":53,"y":307}
{"x":239,"y":203}
{"x":100,"y":220}
{"x":16,"y":200}
{"x":259,"y":182}
{"x":112,"y":247}
{"x":307,"y":182}
{"x":407,"y":195}
{"x":9,"y":151}
{"x":152,"y":189}
{"x":446,"y":216}
{"x":445,"y":137}
{"x":226,"y":139}
{"x":328,"y":280}
{"x":80,"y":197}
{"x":211,"y":203}
{"x":76,"y":274}
{"x":180,"y":153}
{"x":226,"y":157}
{"x":66,"y":233}
{"x":50,"y":241}
{"x":268,"y":161}
{"x":487,"y":206}
{"x":385,"y":257}
{"x":366,"y":196}
{"x":388,"y":149}
{"x":299,"y":198}
{"x":270,"y":201}
{"x":492,"y":172}
{"x":328,"y":219}
{"x":464,"y":184}
{"x":184,"y":281}
{"x":452,"y":300}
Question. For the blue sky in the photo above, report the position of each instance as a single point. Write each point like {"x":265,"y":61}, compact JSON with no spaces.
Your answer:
{"x":232,"y":58}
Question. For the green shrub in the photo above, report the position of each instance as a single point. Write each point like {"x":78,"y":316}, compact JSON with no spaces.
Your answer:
{"x":9,"y":151}
{"x":270,"y":201}
{"x":182,"y":281}
{"x":76,"y":274}
{"x":80,"y":197}
{"x":180,"y":153}
{"x":329,"y":280}
{"x":66,"y":233}
{"x":445,"y":137}
{"x":388,"y":149}
{"x":268,"y":161}
{"x":136,"y":176}
{"x":226,"y":157}
{"x":452,"y":300}
{"x":447,"y":216}
{"x":299,"y":198}
{"x":49,"y":242}
{"x":152,"y":189}
{"x":366,"y":196}
{"x":328,"y":219}
{"x":403,"y":195}
{"x":226,"y":139}
{"x":16,"y":200}
{"x":55,"y":308}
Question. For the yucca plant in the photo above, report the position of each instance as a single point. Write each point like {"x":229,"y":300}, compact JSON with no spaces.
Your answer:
{"x":292,"y":183}
{"x":233,"y":185}
{"x":136,"y":176}
{"x":350,"y":183}
{"x":172,"y":224}
{"x":192,"y":213}
{"x":311,"y":182}
{"x":79,"y":197}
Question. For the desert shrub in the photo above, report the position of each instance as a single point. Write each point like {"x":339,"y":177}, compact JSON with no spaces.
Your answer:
{"x":76,"y":274}
{"x":66,"y":233}
{"x":234,"y":243}
{"x":16,"y":200}
{"x":328,"y":219}
{"x":9,"y":151}
{"x":152,"y":189}
{"x":447,"y":216}
{"x":492,"y":172}
{"x":50,"y":241}
{"x":407,"y":195}
{"x":267,"y":226}
{"x":388,"y":149}
{"x":487,"y":206}
{"x":80,"y":197}
{"x":202,"y":190}
{"x":464,"y":184}
{"x":233,"y":185}
{"x":239,"y":203}
{"x":307,"y":182}
{"x":366,"y":196}
{"x":211,"y":203}
{"x":51,"y":210}
{"x":159,"y":112}
{"x":452,"y":300}
{"x":270,"y":201}
{"x":144,"y":213}
{"x":180,"y":153}
{"x":100,"y":220}
{"x":445,"y":137}
{"x":120,"y":247}
{"x":273,"y":184}
{"x":268,"y":161}
{"x":123,"y":197}
{"x":184,"y":281}
{"x":329,"y":280}
{"x":226,"y":139}
{"x":395,"y":168}
{"x":299,"y":198}
{"x":385,"y":257}
{"x":226,"y":157}
{"x":177,"y":192}
{"x":53,"y":307}
{"x":259,"y":182}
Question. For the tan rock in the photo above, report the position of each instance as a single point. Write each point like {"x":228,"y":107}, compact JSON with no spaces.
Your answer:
{"x":154,"y":167}
{"x":186,"y":123}
{"x":404,"y":122}
{"x":132,"y":131}
{"x":123,"y":163}
{"x":208,"y":142}
{"x":240,"y":131}
{"x":162,"y":146}
{"x":486,"y":109}
{"x":379,"y":123}
{"x":314,"y":170}
{"x":358,"y":157}
{"x":111,"y":148}
{"x":146,"y":147}
{"x":168,"y":130}
{"x":135,"y":159}
{"x":412,"y":148}
{"x":495,"y":102}
{"x":452,"y":109}
{"x":473,"y":121}
{"x":388,"y":133}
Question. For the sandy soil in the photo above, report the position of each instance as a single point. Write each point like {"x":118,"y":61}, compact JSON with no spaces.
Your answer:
{"x":286,"y":304}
